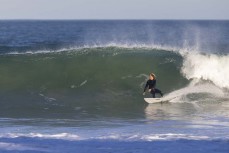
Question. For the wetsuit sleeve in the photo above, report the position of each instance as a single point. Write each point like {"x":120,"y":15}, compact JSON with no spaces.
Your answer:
{"x":154,"y":83}
{"x":147,"y":84}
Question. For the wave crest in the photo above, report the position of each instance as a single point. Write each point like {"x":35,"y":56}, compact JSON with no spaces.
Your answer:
{"x":211,"y":67}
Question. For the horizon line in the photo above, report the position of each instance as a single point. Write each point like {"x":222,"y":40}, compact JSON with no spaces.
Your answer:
{"x":124,"y":19}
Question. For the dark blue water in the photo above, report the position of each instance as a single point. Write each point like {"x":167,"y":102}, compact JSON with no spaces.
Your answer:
{"x":77,"y":85}
{"x":24,"y":36}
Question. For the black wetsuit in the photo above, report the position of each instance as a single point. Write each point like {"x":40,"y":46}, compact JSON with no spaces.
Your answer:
{"x":151,"y":84}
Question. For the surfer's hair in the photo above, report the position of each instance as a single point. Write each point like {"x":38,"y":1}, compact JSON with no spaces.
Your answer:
{"x":153,"y":75}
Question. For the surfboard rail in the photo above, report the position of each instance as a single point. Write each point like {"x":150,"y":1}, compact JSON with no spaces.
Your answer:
{"x":153,"y":100}
{"x":158,"y":100}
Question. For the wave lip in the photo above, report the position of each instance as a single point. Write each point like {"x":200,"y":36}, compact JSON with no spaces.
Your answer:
{"x":104,"y":46}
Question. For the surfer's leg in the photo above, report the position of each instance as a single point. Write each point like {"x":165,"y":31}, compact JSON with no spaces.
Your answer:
{"x":153,"y":93}
{"x":158,"y":91}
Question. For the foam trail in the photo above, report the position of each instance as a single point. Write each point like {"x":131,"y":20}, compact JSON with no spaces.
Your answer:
{"x":195,"y":88}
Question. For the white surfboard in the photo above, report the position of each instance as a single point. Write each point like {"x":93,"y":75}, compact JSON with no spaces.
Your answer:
{"x":158,"y":100}
{"x":153,"y":100}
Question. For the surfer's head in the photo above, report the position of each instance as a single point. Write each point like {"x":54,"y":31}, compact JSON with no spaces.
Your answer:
{"x":152,"y":76}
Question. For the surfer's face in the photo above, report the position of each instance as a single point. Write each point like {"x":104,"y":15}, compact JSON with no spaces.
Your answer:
{"x":151,"y":77}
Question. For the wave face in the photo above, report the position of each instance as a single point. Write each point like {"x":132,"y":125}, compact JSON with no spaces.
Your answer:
{"x":91,"y":76}
{"x":105,"y":77}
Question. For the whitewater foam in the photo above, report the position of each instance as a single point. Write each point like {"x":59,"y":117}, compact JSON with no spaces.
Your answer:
{"x":209,"y":67}
{"x":181,"y":95}
{"x":121,"y":137}
{"x":172,"y":136}
{"x":64,"y":136}
{"x":19,"y":147}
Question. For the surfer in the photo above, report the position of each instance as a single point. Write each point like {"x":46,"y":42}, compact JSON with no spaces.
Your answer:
{"x":151,"y":83}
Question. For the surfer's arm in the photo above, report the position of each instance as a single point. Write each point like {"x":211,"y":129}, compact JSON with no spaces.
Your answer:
{"x":146,"y":86}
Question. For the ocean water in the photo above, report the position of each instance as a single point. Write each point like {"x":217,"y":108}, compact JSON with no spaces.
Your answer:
{"x":76,"y":86}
